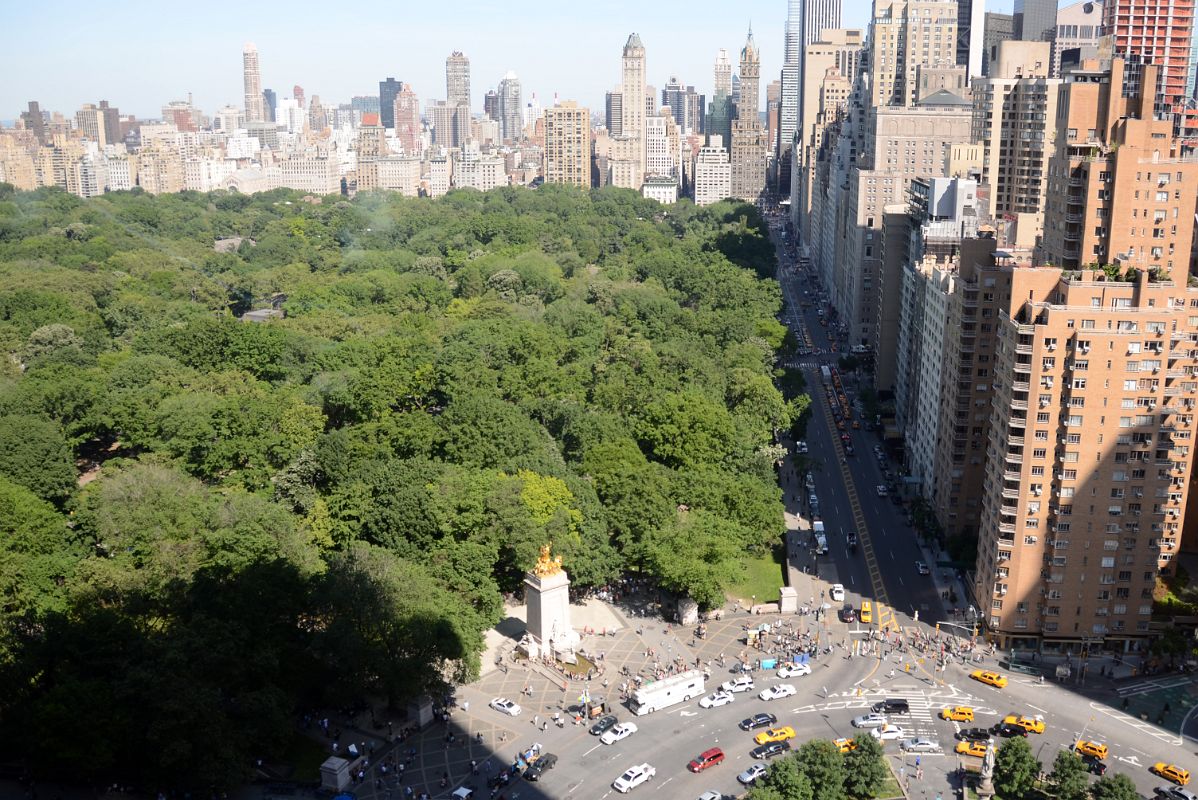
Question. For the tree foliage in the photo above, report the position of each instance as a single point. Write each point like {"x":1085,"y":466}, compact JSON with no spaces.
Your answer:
{"x":865,"y":769}
{"x":1015,"y":768}
{"x":331,"y":505}
{"x":821,"y":762}
{"x":1114,"y":787}
{"x":1069,"y":778}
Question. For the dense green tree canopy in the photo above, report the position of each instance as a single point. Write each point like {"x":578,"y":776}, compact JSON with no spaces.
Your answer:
{"x":282,"y":515}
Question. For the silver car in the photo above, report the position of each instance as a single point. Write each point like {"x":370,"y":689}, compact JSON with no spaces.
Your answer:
{"x":869,"y":721}
{"x":920,"y":745}
{"x":750,"y":776}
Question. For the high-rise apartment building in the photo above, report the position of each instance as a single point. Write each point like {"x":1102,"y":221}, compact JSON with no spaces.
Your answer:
{"x":491,"y":104}
{"x":1079,"y":26}
{"x":839,"y":49}
{"x":712,"y":173}
{"x":371,"y":148}
{"x":270,"y":104}
{"x":1035,"y":20}
{"x":1121,"y":190}
{"x":1013,"y":121}
{"x":999,"y":28}
{"x":1086,"y":481}
{"x":749,"y":145}
{"x":906,"y":34}
{"x":407,"y":120}
{"x":388,"y":91}
{"x":685,"y":104}
{"x":252,"y":78}
{"x":509,"y":107}
{"x":1157,"y":32}
{"x":457,"y":80}
{"x":450,"y":129}
{"x":663,"y":147}
{"x":626,"y":162}
{"x":567,"y":154}
{"x":33,"y":121}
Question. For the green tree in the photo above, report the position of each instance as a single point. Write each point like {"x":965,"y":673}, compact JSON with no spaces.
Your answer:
{"x":1114,"y":787}
{"x":865,"y":769}
{"x":1069,"y":778}
{"x":783,"y":781}
{"x":821,"y":762}
{"x":34,"y":454}
{"x":696,"y":555}
{"x":1015,"y":768}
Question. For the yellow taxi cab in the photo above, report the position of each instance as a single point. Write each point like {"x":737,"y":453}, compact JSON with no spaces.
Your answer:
{"x":775,"y":735}
{"x":1096,"y":749}
{"x":975,"y":749}
{"x":989,"y":678}
{"x":1030,"y":724}
{"x":867,"y":612}
{"x":1171,"y":772}
{"x":845,"y":745}
{"x":957,"y":713}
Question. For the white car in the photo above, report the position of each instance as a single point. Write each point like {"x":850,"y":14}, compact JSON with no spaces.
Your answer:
{"x":882,"y":490}
{"x":801,"y":445}
{"x":750,"y":776}
{"x":888,"y":732}
{"x":837,"y":592}
{"x":794,"y":670}
{"x":633,"y":778}
{"x":776,"y":692}
{"x":711,"y":796}
{"x":618,"y":733}
{"x":869,"y":721}
{"x":743,"y":683}
{"x":717,"y":699}
{"x":505,"y":706}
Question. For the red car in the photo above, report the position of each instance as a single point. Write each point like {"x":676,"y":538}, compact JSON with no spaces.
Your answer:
{"x":708,"y":758}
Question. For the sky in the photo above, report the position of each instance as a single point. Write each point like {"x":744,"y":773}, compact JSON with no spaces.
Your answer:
{"x":139,"y":55}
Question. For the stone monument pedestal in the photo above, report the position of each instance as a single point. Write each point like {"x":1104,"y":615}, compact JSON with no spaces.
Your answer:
{"x":788,"y":600}
{"x":547,"y":595}
{"x":334,"y":774}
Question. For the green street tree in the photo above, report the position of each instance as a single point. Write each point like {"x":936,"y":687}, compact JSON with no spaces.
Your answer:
{"x":865,"y":769}
{"x":1069,"y":778}
{"x":1015,"y":768}
{"x":783,"y":781}
{"x":821,"y":762}
{"x":1114,"y":787}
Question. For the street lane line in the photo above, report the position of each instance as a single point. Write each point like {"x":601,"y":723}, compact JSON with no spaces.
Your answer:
{"x":593,"y":749}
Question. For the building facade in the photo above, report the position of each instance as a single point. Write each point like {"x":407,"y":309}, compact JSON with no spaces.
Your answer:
{"x":252,"y":79}
{"x":567,"y":154}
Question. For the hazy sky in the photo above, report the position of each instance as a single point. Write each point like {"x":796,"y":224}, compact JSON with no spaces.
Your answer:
{"x":138,"y":54}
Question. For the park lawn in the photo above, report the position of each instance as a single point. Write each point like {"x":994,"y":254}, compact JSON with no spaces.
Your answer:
{"x":890,"y":789}
{"x":762,"y":578}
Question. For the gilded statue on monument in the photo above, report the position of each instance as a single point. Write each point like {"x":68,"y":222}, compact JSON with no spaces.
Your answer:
{"x":547,"y":565}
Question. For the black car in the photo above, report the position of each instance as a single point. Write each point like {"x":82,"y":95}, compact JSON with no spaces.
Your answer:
{"x":604,"y":723}
{"x":757,"y":721}
{"x":1009,"y":731}
{"x":892,"y":706}
{"x":770,"y":750}
{"x":543,"y":764}
{"x":974,"y":735}
{"x":848,"y":613}
{"x":1094,"y":764}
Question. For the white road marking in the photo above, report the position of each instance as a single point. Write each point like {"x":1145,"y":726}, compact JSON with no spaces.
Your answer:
{"x":575,"y":786}
{"x":1042,"y":711}
{"x":593,"y":749}
{"x":667,"y":780}
{"x":688,"y":713}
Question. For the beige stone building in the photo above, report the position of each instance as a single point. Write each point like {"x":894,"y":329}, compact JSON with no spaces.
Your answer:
{"x":567,"y":155}
{"x":907,"y":34}
{"x":750,"y":146}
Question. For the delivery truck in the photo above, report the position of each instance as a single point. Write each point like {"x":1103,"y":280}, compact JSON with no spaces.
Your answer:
{"x":666,"y":692}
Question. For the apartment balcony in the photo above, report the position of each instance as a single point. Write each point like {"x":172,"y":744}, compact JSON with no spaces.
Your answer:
{"x":1021,"y":386}
{"x":1011,"y":494}
{"x":1012,"y":475}
{"x":1006,"y":527}
{"x":1074,"y":218}
{"x":1026,"y":366}
{"x":1023,"y":349}
{"x":1178,"y":373}
{"x":1025,"y":330}
{"x":1019,"y":405}
{"x":1013,"y":458}
{"x":1015,"y":440}
{"x":1009,"y":510}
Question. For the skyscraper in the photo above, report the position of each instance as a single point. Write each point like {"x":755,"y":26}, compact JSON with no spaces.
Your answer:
{"x":999,"y":28}
{"x":719,"y":116}
{"x":510,"y":107}
{"x":971,"y":35}
{"x":749,"y":156}
{"x":491,"y":104}
{"x":457,"y":79}
{"x":627,"y":160}
{"x":790,"y":98}
{"x":34,"y":122}
{"x":388,"y":91}
{"x":568,"y":145}
{"x":1035,"y":20}
{"x":614,"y":112}
{"x":818,"y":16}
{"x":907,"y":34}
{"x":252,"y":77}
{"x":407,"y":120}
{"x":270,"y":104}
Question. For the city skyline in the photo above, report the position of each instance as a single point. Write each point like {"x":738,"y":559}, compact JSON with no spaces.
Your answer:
{"x":155,"y":67}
